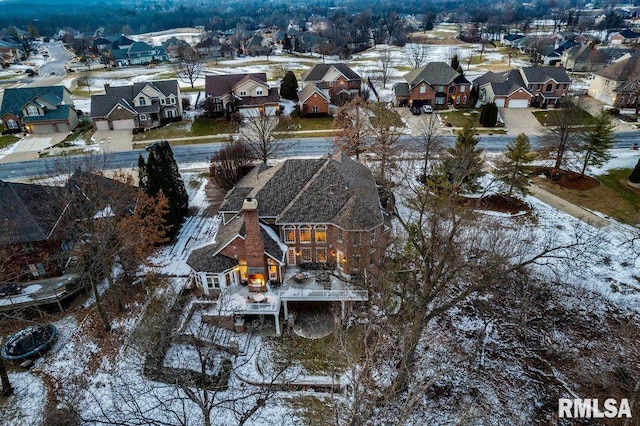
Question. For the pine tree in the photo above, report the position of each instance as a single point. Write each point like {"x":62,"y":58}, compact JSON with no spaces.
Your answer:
{"x":160,"y":174}
{"x":513,"y":168}
{"x":489,"y":115}
{"x":634,"y":177}
{"x":598,"y":142}
{"x":465,"y":165}
{"x":289,"y":86}
{"x":455,"y":62}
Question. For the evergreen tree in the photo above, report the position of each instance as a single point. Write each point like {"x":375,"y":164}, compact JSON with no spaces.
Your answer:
{"x":513,"y":168}
{"x":489,"y":115}
{"x":634,"y":177}
{"x":160,"y":174}
{"x":289,"y":86}
{"x":598,"y":141}
{"x":286,"y":44}
{"x":455,"y":62}
{"x":464,"y":166}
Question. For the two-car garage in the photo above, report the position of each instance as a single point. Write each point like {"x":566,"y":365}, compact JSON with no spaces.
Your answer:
{"x":115,"y":124}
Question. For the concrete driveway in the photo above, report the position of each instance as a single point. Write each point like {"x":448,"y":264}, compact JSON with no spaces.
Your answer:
{"x":30,"y":146}
{"x":113,"y":140}
{"x":520,"y":120}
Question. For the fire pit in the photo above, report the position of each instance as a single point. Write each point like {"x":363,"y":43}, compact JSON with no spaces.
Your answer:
{"x":29,"y":342}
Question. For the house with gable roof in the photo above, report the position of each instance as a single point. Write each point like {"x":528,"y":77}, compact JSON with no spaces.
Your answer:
{"x":139,"y":106}
{"x":38,"y":110}
{"x":313,"y":101}
{"x":435,"y":84}
{"x":308,"y":214}
{"x":523,"y":87}
{"x":616,"y":84}
{"x":138,"y":53}
{"x":338,"y":80}
{"x":248,"y":94}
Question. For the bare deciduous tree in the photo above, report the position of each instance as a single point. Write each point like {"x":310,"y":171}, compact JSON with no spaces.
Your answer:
{"x":352,"y":121}
{"x":386,"y":127}
{"x":563,"y":135}
{"x":384,"y":65}
{"x":230,"y":164}
{"x":189,"y":65}
{"x":417,"y":54}
{"x":259,"y":133}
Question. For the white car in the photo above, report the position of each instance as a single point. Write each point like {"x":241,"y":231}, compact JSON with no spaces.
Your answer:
{"x":427,"y":109}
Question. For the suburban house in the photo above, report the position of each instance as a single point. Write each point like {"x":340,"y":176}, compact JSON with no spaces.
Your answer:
{"x":139,"y":106}
{"x":38,"y":110}
{"x":625,"y":36}
{"x":435,"y":84}
{"x":523,"y":87}
{"x":30,"y":237}
{"x":138,"y":53}
{"x":313,"y":101}
{"x":584,"y":58}
{"x":338,"y":80}
{"x":313,"y":214}
{"x":256,"y":45}
{"x":209,"y":48}
{"x":11,"y":53}
{"x":248,"y":94}
{"x":617,"y":84}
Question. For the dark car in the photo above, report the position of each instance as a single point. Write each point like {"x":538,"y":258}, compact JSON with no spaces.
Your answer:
{"x":416,"y":110}
{"x":10,"y":290}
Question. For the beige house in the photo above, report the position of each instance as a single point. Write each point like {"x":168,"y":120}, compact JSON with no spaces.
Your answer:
{"x":616,"y":85}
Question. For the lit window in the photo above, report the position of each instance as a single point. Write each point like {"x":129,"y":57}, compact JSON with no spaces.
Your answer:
{"x":321,"y":255}
{"x":321,"y":234}
{"x":289,"y":234}
{"x":305,"y":257}
{"x":462,"y":88}
{"x":305,"y":234}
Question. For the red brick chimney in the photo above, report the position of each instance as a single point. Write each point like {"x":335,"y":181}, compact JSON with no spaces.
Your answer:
{"x":253,"y":243}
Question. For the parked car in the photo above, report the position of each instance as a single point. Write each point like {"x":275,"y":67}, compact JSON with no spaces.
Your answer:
{"x":427,"y":109}
{"x":416,"y":110}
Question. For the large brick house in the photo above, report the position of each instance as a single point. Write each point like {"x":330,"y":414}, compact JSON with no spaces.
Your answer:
{"x":248,"y":94}
{"x":435,"y":84}
{"x":38,"y":110}
{"x":313,"y":101}
{"x":308,"y":214}
{"x":138,"y":106}
{"x":339,"y":82}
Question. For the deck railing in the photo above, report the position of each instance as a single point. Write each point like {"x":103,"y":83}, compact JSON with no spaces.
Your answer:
{"x":318,"y":294}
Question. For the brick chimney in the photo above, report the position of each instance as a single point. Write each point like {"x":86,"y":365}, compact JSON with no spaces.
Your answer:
{"x":253,"y":243}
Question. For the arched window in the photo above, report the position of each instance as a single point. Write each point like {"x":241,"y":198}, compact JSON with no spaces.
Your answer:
{"x":321,"y":233}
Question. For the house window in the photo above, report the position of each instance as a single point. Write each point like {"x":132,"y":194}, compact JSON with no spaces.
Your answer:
{"x":213,"y":281}
{"x":32,"y":110}
{"x":243,"y":93}
{"x":291,"y":256}
{"x":305,"y":234}
{"x":321,"y":234}
{"x":440,"y":100}
{"x":289,"y":234}
{"x":357,"y":239}
{"x":305,"y":257}
{"x":259,"y":91}
{"x":142,"y":101}
{"x":162,"y":101}
{"x":12,"y":124}
{"x":441,"y":88}
{"x":315,"y":109}
{"x":321,"y":255}
{"x":462,"y":88}
{"x":452,"y":90}
{"x":423,"y":89}
{"x":357,"y":260}
{"x":340,"y":235}
{"x":549,"y":87}
{"x":373,"y":235}
{"x":143,"y":117}
{"x":173,"y":100}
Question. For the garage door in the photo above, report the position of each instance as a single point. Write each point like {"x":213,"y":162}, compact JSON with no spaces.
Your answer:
{"x":123,"y":124}
{"x":250,"y":112}
{"x":43,"y":128}
{"x":499,"y":103}
{"x":271,"y":110}
{"x":102,"y":125}
{"x":518,"y":103}
{"x":62,"y":127}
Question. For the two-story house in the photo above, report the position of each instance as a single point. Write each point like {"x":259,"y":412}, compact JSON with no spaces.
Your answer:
{"x":617,"y":84}
{"x":138,"y":53}
{"x":338,"y":81}
{"x":318,"y":214}
{"x":524,"y":87}
{"x":138,"y":106}
{"x":46,"y":109}
{"x":435,"y":84}
{"x":248,"y":94}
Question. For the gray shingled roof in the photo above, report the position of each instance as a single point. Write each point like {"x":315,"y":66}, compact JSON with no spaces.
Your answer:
{"x":309,"y":90}
{"x":318,"y":71}
{"x":220,"y":85}
{"x":502,"y":84}
{"x":101,"y":105}
{"x":622,"y":70}
{"x":401,"y":89}
{"x":434,"y":73}
{"x":542,"y":74}
{"x":28,"y":213}
{"x":334,"y":190}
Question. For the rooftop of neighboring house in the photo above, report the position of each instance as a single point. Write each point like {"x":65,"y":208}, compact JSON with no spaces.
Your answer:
{"x":334,"y":189}
{"x":319,"y":71}
{"x":503,"y":83}
{"x":621,"y":70}
{"x":220,"y":85}
{"x":542,"y":74}
{"x":433,"y":73}
{"x":15,"y":99}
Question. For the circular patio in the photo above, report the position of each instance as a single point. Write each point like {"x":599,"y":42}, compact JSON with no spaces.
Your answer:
{"x":314,"y":324}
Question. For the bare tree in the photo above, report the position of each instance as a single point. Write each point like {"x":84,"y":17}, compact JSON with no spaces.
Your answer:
{"x":386,"y":127}
{"x":259,"y":133}
{"x":563,"y":135}
{"x":230,"y":164}
{"x":189,"y":65}
{"x":354,"y":128}
{"x":384,"y":65}
{"x":430,"y":134}
{"x":417,"y":54}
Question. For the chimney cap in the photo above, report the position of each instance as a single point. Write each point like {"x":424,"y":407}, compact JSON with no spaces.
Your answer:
{"x":250,"y":204}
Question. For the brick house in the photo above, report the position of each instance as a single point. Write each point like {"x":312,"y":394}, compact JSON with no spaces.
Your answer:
{"x":435,"y":84}
{"x":338,"y":80}
{"x":313,"y":101}
{"x":548,"y":85}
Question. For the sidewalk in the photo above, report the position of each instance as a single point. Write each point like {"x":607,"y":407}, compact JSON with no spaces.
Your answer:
{"x":567,"y":207}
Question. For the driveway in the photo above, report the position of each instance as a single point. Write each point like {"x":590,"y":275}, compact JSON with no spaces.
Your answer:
{"x":30,"y":146}
{"x":520,"y":120}
{"x":113,"y":140}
